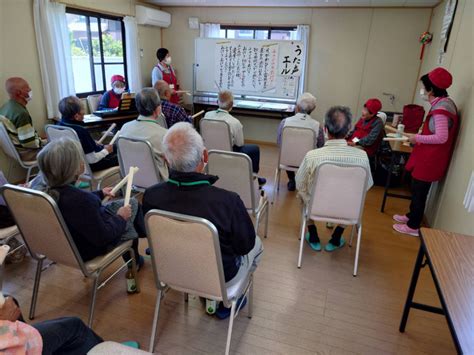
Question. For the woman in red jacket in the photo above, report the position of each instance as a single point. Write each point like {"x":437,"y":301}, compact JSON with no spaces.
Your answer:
{"x":433,"y":147}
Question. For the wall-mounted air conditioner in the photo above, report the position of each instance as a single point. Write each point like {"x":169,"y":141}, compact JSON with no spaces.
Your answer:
{"x":152,"y":17}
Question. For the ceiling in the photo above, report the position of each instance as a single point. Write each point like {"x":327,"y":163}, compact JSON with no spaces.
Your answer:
{"x":297,"y":3}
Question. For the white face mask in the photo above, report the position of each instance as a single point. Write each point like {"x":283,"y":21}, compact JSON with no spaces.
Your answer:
{"x":168,"y":60}
{"x":30,"y":96}
{"x":119,"y":91}
{"x":424,"y":94}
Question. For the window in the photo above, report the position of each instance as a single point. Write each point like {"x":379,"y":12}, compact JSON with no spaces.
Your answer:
{"x":257,"y":32}
{"x":97,"y":50}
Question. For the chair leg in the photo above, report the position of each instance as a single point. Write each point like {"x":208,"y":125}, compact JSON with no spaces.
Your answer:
{"x":94,"y":296}
{"x":34,"y":299}
{"x":267,"y":213}
{"x":231,"y":325}
{"x":303,"y":228}
{"x":250,"y":309}
{"x":28,"y":174}
{"x":352,"y":234}
{"x":278,"y":180}
{"x":356,"y":261}
{"x":134,"y":270}
{"x":275,"y":185}
{"x":155,"y":322}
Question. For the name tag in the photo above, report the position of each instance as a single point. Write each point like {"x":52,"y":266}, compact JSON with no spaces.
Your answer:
{"x":171,"y":86}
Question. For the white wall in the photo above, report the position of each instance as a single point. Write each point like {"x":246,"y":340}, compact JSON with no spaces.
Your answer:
{"x":445,"y":209}
{"x":354,"y":53}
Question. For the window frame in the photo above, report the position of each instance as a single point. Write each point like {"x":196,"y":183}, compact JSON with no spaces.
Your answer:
{"x":99,"y":16}
{"x":258,"y":28}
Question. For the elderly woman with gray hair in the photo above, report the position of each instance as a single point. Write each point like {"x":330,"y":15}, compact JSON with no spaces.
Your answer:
{"x":305,"y":105}
{"x":95,"y":228}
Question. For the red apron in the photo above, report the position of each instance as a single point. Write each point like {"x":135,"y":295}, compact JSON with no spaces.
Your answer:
{"x":362,"y":129}
{"x":429,"y":162}
{"x":170,"y":78}
{"x":114,"y":99}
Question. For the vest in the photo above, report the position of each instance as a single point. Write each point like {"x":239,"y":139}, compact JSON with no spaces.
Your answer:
{"x":114,"y":99}
{"x":430,"y":162}
{"x":170,"y":78}
{"x":362,"y":129}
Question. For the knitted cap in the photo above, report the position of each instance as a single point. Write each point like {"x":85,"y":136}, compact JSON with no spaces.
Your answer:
{"x":441,"y":78}
{"x":117,"y":77}
{"x":373,"y":105}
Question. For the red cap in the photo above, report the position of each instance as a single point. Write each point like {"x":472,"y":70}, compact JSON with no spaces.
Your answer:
{"x":373,"y":105}
{"x":117,"y":77}
{"x":441,"y":78}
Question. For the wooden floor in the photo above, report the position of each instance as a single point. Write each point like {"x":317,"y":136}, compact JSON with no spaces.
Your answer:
{"x":319,"y":308}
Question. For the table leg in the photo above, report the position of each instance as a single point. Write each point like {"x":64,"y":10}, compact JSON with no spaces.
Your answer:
{"x":411,"y":290}
{"x":387,"y":183}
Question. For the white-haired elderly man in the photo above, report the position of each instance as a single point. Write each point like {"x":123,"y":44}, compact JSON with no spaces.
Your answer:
{"x":305,"y":105}
{"x":226,"y":102}
{"x":190,"y":191}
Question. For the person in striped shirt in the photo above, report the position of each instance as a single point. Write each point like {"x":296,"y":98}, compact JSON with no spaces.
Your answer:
{"x":21,"y":131}
{"x":337,"y":124}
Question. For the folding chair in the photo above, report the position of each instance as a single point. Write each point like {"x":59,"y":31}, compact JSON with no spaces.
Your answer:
{"x":235,"y":174}
{"x":46,"y":236}
{"x":10,"y":150}
{"x":138,"y":153}
{"x":216,"y":134}
{"x":93,"y":102}
{"x":295,"y":143}
{"x":96,"y":177}
{"x":186,"y":257}
{"x":338,"y":196}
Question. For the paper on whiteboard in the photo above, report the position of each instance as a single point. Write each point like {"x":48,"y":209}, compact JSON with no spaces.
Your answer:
{"x":291,"y":60}
{"x":246,"y":66}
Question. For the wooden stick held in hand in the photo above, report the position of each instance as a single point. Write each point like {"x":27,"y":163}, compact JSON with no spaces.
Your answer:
{"x":106,"y":133}
{"x":198,"y":114}
{"x":128,"y":191}
{"x":115,"y":138}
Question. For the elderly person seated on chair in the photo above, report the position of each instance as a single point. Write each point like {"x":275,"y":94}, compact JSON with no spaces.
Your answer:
{"x":226,"y":102}
{"x":146,"y":126}
{"x":18,"y":121}
{"x":99,"y":156}
{"x":190,"y":191}
{"x":305,"y":105}
{"x":96,"y":229}
{"x":172,"y":112}
{"x":336,"y":124}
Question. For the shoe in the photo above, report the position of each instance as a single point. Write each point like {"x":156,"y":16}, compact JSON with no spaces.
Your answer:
{"x":148,"y":251}
{"x":291,"y":185}
{"x":400,"y":218}
{"x":331,"y":247}
{"x":314,"y":246}
{"x":132,"y":344}
{"x":404,"y":229}
{"x":223,"y":313}
{"x":261,"y":181}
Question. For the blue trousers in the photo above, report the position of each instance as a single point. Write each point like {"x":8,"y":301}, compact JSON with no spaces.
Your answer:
{"x":67,"y":335}
{"x":253,"y":151}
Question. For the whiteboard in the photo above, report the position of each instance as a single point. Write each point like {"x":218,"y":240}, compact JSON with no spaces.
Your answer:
{"x":262,"y":68}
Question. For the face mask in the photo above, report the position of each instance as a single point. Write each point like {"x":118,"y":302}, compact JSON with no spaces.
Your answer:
{"x":424,"y":95}
{"x":168,"y":60}
{"x":30,"y":96}
{"x":119,"y":91}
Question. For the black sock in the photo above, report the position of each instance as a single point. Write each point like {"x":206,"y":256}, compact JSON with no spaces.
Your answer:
{"x":336,"y":236}
{"x":313,"y":234}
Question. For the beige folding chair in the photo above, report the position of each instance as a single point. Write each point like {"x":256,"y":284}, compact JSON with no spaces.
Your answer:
{"x":161,"y":120}
{"x":111,"y":347}
{"x":93,"y":101}
{"x":338,"y":196}
{"x":46,"y":236}
{"x":382,"y":116}
{"x":235,"y":174}
{"x":216,"y":134}
{"x":96,"y":177}
{"x":10,"y":150}
{"x":295,"y":143}
{"x":138,"y":153}
{"x":186,"y":257}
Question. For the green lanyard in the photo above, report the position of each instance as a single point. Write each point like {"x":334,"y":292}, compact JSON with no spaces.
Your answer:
{"x":194,"y":183}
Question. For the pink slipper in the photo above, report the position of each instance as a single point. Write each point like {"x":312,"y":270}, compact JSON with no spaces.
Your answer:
{"x":403,"y":228}
{"x":400,"y":218}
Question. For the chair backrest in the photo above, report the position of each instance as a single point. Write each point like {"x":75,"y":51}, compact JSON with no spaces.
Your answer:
{"x":295,"y":143}
{"x":54,"y":132}
{"x":161,"y":120}
{"x":7,"y":145}
{"x":42,"y":226}
{"x":382,"y":116}
{"x":93,"y":102}
{"x":139,"y":153}
{"x":216,"y":134}
{"x":338,"y":192}
{"x":186,"y":254}
{"x":235,"y":174}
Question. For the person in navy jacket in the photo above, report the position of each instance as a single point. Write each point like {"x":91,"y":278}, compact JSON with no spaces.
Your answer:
{"x":111,"y":98}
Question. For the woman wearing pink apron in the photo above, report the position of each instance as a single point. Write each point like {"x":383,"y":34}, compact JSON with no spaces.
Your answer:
{"x":164,"y":71}
{"x":433,"y":148}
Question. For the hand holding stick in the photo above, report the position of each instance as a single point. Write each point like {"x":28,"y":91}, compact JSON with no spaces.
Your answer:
{"x":112,"y":126}
{"x":120,"y":184}
{"x":128,"y":191}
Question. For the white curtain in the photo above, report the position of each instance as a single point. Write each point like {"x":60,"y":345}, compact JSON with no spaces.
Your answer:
{"x":133,"y":54}
{"x":209,"y":30}
{"x":52,"y":41}
{"x":302,"y":34}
